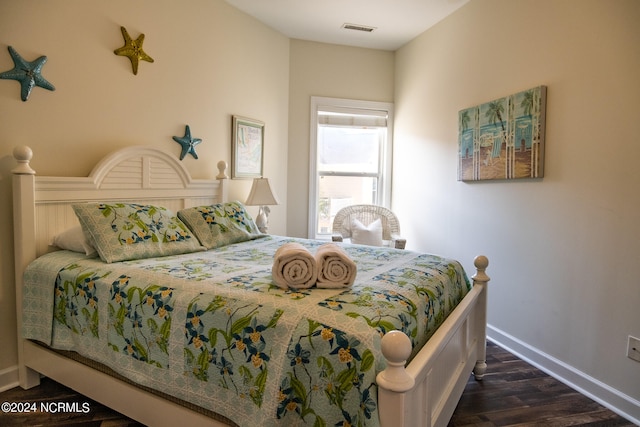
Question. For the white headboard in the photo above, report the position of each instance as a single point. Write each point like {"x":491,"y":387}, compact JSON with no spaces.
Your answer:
{"x":42,"y":204}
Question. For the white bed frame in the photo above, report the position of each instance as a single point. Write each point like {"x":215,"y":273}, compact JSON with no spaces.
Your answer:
{"x":424,"y":393}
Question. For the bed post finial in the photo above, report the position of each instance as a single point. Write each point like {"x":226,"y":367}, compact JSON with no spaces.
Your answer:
{"x":222,"y":167}
{"x":396,"y":348}
{"x":394,"y":382}
{"x":481,"y":263}
{"x":23,"y":155}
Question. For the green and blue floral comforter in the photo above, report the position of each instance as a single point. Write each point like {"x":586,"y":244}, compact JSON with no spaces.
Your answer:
{"x":211,"y":328}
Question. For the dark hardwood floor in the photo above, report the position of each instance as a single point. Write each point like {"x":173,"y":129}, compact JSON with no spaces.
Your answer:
{"x":513,"y":393}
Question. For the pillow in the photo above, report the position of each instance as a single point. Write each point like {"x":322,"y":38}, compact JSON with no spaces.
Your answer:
{"x":126,"y":231}
{"x":366,"y":235}
{"x":74,"y":240}
{"x":220,"y":224}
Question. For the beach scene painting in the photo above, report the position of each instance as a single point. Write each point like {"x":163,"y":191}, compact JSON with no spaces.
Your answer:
{"x":503,"y":138}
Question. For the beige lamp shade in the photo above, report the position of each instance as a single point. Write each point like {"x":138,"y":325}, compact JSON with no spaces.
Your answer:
{"x":261,"y":193}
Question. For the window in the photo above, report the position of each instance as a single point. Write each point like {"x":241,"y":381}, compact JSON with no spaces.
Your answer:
{"x":350,"y":158}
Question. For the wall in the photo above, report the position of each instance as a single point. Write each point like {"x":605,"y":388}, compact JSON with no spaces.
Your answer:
{"x":564,"y":250}
{"x":319,"y":69}
{"x":210,"y":62}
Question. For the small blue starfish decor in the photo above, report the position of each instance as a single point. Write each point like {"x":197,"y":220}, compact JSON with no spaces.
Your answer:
{"x":188,"y":143}
{"x":27,"y":73}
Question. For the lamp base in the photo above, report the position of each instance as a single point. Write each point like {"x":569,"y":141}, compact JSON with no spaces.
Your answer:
{"x":262,"y":220}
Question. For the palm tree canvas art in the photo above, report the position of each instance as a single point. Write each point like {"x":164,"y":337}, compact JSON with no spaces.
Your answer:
{"x":504,"y":138}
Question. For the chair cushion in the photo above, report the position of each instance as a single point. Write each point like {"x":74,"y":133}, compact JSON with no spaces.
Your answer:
{"x":366,"y":235}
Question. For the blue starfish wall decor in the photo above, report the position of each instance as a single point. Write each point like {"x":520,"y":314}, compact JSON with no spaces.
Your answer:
{"x":188,"y":143}
{"x":27,"y":73}
{"x":133,"y":50}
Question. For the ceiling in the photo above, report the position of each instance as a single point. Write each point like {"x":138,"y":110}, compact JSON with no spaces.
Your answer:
{"x":395,"y":21}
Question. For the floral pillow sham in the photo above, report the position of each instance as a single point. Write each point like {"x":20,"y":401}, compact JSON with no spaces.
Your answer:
{"x":127,"y":231}
{"x":220,"y":224}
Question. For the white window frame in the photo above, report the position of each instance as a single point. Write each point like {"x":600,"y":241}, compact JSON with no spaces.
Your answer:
{"x":333,"y":104}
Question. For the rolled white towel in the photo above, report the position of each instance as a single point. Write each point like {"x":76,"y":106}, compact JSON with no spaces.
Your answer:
{"x":335,"y":268}
{"x":294,"y":267}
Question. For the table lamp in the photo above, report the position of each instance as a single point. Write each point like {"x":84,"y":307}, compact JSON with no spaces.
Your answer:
{"x":262,"y":195}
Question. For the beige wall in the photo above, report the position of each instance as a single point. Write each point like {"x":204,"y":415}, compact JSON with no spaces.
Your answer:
{"x":319,"y":69}
{"x":564,"y":250}
{"x":211,"y":61}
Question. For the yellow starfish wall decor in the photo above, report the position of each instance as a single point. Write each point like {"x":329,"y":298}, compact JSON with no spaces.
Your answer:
{"x":133,"y":50}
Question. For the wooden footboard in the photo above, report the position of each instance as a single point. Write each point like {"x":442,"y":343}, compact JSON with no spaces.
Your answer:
{"x":426,"y":392}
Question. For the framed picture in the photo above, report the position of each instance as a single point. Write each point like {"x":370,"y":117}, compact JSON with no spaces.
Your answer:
{"x":247,"y":148}
{"x":504,"y":138}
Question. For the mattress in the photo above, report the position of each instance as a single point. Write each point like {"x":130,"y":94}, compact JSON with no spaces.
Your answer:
{"x":212,"y":329}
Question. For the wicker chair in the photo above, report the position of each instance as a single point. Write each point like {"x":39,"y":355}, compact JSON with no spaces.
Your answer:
{"x":366,"y":214}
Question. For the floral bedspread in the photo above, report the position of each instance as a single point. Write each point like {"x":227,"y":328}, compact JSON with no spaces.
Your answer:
{"x":211,"y":328}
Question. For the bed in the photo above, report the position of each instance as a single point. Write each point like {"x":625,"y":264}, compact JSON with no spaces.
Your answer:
{"x":203,"y":337}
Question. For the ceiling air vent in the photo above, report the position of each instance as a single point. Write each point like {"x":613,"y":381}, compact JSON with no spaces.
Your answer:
{"x":357,"y":27}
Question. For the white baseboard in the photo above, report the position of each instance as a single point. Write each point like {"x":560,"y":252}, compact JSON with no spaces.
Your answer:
{"x":9,"y":378}
{"x":618,"y":402}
